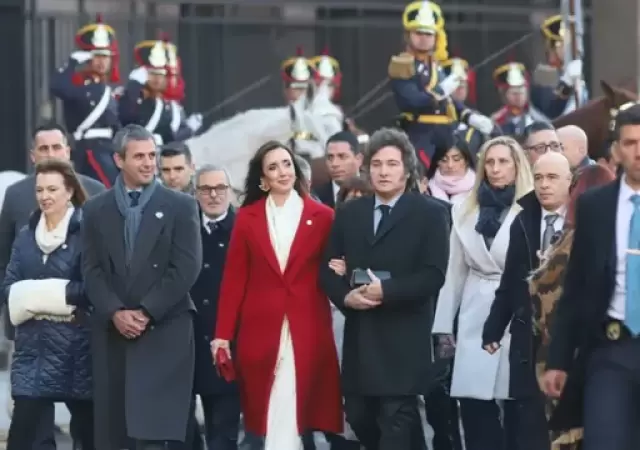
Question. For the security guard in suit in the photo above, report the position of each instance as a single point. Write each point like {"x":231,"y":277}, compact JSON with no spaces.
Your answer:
{"x":143,"y":101}
{"x":421,"y":91}
{"x":297,"y":76}
{"x":182,"y":126}
{"x":90,"y":109}
{"x":518,"y":112}
{"x":554,"y":82}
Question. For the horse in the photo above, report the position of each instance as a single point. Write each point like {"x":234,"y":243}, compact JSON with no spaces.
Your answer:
{"x":596,"y":116}
{"x":306,"y":125}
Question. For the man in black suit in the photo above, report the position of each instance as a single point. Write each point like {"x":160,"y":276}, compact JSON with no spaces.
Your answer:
{"x":343,"y":162}
{"x":142,"y":252}
{"x":536,"y":226}
{"x":595,"y":334}
{"x":48,"y":141}
{"x":220,"y":400}
{"x":387,"y":353}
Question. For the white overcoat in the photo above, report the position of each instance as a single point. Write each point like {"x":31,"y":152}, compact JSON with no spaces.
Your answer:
{"x":472,"y":277}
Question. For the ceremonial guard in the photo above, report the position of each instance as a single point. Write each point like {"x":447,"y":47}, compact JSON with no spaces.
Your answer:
{"x":182,"y":126}
{"x":327,"y":68}
{"x":297,"y":75}
{"x":143,"y":101}
{"x":555,"y":83}
{"x":89,"y":106}
{"x":422,"y":92}
{"x":517,"y":112}
{"x":467,"y":87}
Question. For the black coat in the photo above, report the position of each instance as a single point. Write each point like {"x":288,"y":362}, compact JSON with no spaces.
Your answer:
{"x":52,"y":359}
{"x":513,"y":302}
{"x":387,"y":350}
{"x":204,"y":294}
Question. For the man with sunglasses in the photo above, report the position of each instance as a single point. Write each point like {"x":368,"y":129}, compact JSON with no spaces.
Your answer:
{"x":539,"y":138}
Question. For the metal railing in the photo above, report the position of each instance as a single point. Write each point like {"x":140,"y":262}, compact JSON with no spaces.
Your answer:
{"x":227,"y":48}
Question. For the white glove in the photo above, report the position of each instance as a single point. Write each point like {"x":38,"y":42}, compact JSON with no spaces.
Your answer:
{"x":450,"y":84}
{"x":481,"y":123}
{"x":573,"y":72}
{"x":194,"y":122}
{"x":141,"y":75}
{"x":81,"y":56}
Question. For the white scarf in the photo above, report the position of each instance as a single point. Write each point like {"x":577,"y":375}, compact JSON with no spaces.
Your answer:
{"x":50,"y":240}
{"x":283,"y":223}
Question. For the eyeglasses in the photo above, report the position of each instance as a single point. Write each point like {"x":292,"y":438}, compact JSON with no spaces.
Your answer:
{"x":544,"y":146}
{"x":220,"y":189}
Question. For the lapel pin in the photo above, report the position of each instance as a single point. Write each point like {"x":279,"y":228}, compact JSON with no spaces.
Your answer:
{"x":159,"y":215}
{"x":309,"y":222}
{"x":64,"y":246}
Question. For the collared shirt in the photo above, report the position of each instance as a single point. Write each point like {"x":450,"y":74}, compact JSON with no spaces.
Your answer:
{"x":558,"y":225}
{"x":336,"y":189}
{"x":377,"y":215}
{"x":206,"y":220}
{"x":623,"y":223}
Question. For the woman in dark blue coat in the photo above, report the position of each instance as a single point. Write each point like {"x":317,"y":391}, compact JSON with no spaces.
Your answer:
{"x":43,"y":284}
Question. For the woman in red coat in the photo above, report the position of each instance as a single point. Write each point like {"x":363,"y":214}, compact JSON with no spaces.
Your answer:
{"x":272,"y":307}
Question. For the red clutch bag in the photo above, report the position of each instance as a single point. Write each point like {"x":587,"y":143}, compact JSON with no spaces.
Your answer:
{"x":224,"y":365}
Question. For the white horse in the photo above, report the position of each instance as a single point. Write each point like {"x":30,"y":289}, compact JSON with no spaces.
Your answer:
{"x":308,"y":123}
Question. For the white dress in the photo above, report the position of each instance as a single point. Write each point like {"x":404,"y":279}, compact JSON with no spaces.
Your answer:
{"x":473,"y":275}
{"x":282,"y":421}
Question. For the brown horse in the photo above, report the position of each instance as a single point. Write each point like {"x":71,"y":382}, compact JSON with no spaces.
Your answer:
{"x":595,"y":117}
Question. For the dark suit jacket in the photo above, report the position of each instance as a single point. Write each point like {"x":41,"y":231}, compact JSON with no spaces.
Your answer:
{"x":387,"y":350}
{"x":512,"y":300}
{"x":156,"y":370}
{"x":19,"y":203}
{"x":325,"y":194}
{"x":590,"y":277}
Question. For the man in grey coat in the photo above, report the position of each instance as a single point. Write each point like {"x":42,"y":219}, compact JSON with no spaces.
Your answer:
{"x":48,"y":141}
{"x":142,"y":253}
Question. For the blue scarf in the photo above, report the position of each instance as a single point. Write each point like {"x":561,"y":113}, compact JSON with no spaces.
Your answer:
{"x":492,"y":202}
{"x":132,"y":214}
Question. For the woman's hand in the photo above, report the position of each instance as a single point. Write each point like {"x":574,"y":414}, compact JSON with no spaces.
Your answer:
{"x":445,"y":346}
{"x":218,"y":344}
{"x":339,"y":266}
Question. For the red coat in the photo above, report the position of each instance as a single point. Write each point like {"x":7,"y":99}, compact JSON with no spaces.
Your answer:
{"x":255,"y":297}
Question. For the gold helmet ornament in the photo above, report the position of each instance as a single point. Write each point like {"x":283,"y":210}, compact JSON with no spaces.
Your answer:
{"x":553,"y":29}
{"x":297,"y":71}
{"x":426,"y":17}
{"x":100,"y":39}
{"x":153,"y":55}
{"x":511,"y":75}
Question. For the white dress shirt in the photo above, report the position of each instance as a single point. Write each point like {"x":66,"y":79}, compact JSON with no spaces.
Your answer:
{"x":558,"y":225}
{"x":624,"y":212}
{"x":206,"y":220}
{"x":336,"y":188}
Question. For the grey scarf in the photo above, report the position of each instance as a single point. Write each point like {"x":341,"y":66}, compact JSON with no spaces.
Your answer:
{"x":132,"y":215}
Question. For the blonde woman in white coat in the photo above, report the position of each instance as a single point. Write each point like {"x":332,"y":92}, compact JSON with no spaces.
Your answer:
{"x":478,"y":248}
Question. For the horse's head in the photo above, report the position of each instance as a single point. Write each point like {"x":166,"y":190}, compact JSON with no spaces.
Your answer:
{"x":595,"y":117}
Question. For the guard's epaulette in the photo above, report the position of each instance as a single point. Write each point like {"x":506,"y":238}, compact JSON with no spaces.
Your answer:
{"x":402,"y":66}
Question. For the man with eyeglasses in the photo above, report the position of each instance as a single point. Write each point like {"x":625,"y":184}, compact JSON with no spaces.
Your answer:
{"x":220,"y":400}
{"x":539,"y":138}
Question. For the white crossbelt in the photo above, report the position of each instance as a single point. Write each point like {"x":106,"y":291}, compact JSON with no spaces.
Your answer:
{"x":158,"y":139}
{"x":98,"y":133}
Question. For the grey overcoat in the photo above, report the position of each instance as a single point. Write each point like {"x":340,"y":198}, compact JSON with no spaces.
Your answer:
{"x":142,"y":387}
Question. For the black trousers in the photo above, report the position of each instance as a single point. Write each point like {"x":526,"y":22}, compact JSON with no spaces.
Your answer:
{"x":612,"y":397}
{"x":385,"y":423}
{"x":442,"y":415}
{"x":29,"y":413}
{"x":482,"y":424}
{"x":525,"y":424}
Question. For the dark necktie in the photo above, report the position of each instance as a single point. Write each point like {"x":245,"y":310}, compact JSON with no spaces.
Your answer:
{"x":135,"y":198}
{"x":385,"y":210}
{"x":213,"y":225}
{"x":549,"y":230}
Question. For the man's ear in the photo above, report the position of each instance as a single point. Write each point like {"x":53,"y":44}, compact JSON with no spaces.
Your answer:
{"x":118,"y":160}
